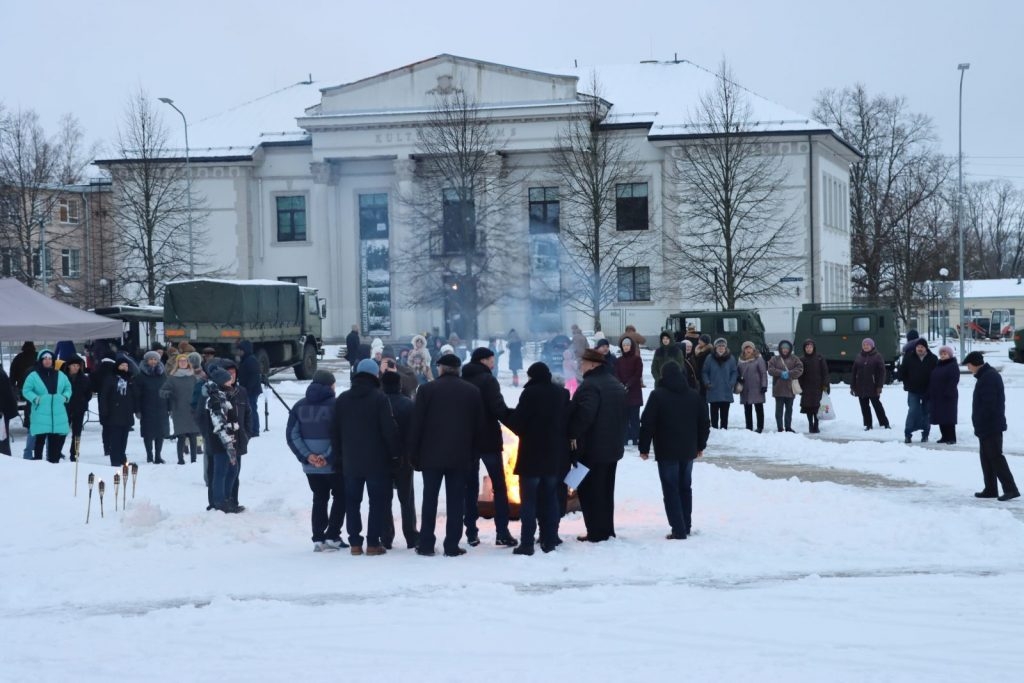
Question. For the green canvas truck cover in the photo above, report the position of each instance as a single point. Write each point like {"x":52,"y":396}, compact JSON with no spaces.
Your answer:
{"x":233,"y":302}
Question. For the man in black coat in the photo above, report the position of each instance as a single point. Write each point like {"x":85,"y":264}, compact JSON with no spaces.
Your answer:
{"x":365,"y":439}
{"x":916,"y":373}
{"x":21,"y":365}
{"x":540,"y":420}
{"x":445,"y":436}
{"x":988,"y":413}
{"x":250,"y":378}
{"x":478,"y":372}
{"x":8,"y":411}
{"x":597,"y":421}
{"x":81,"y":394}
{"x":352,"y":346}
{"x":401,"y":476}
{"x":676,"y":418}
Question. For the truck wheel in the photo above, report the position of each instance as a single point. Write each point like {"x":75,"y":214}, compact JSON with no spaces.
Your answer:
{"x":264,"y":360}
{"x":306,"y":368}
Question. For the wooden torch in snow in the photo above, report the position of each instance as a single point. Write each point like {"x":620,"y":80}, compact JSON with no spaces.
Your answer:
{"x":92,"y":479}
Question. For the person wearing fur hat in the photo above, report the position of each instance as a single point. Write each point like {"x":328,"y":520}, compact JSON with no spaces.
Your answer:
{"x":81,"y":394}
{"x":916,"y":373}
{"x":152,"y":407}
{"x":666,"y":351}
{"x":540,"y":419}
{"x":308,"y":434}
{"x":478,"y":373}
{"x":629,"y":369}
{"x":391,"y":382}
{"x":177,"y":391}
{"x":48,"y":391}
{"x":419,"y":359}
{"x":784,"y":367}
{"x":719,"y":375}
{"x":364,"y":436}
{"x":117,"y":409}
{"x":867,"y":381}
{"x":943,"y":395}
{"x":752,"y":377}
{"x":813,"y":384}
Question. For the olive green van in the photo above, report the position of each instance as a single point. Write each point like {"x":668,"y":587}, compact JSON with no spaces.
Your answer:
{"x":735,"y":327}
{"x":839,"y":329}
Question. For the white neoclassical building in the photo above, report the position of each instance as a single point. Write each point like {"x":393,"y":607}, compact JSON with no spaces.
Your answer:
{"x":320,"y":206}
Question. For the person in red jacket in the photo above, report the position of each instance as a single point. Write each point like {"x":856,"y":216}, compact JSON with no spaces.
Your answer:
{"x":629,"y":370}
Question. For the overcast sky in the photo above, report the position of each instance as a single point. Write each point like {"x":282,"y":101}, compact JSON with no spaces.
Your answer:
{"x":212,"y":55}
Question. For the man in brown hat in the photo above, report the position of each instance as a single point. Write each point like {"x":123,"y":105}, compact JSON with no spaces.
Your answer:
{"x":597,"y":421}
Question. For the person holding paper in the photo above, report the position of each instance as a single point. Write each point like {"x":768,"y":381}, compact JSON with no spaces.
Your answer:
{"x":676,"y":419}
{"x":539,"y":420}
{"x":597,"y":421}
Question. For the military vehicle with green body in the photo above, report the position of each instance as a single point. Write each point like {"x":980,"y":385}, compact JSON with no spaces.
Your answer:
{"x":283,"y":320}
{"x":839,"y":329}
{"x":735,"y":327}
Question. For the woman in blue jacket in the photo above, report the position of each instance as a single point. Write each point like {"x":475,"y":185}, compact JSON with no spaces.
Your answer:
{"x":719,"y":376}
{"x":48,"y":392}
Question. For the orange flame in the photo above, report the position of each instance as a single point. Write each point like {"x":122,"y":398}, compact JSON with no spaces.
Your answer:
{"x":510,"y":453}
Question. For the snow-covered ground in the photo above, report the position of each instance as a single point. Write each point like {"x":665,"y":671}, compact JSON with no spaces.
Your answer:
{"x":849,"y":557}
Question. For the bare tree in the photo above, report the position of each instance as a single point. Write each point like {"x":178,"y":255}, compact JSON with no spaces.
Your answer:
{"x":885,"y":186}
{"x":993,"y":218}
{"x":33,"y":169}
{"x":459,"y":207}
{"x":735,"y":236}
{"x":592,"y":162}
{"x":151,"y":200}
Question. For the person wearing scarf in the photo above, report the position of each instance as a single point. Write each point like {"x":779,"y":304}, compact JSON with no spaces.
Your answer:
{"x":48,"y":392}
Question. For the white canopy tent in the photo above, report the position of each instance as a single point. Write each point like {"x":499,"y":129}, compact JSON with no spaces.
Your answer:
{"x":25,"y":314}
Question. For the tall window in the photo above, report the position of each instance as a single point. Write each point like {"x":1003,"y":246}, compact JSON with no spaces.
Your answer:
{"x":70,"y":263}
{"x":68,"y":210}
{"x":374,"y":263}
{"x":631,"y":206}
{"x":291,"y":219}
{"x":36,"y":269}
{"x":635,"y":284}
{"x":373,"y":216}
{"x":9,"y":262}
{"x":459,"y":227}
{"x":543,"y":210}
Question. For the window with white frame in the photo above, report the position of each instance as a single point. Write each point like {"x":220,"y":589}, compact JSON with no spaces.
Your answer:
{"x":71,"y":263}
{"x":67,"y":210}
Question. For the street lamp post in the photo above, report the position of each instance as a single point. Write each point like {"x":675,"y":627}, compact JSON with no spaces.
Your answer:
{"x":188,"y":181}
{"x":960,"y":200}
{"x":929,"y":296}
{"x":944,"y":320}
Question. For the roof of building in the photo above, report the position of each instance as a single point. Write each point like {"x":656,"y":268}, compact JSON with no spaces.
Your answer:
{"x":988,"y":289}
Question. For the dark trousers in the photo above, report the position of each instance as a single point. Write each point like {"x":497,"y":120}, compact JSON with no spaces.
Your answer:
{"x":5,"y":444}
{"x":994,"y":467}
{"x":865,"y":410}
{"x":539,"y":504}
{"x":327,"y":525}
{"x":224,"y":476}
{"x":254,"y":414}
{"x":597,"y":501}
{"x":720,"y":414}
{"x":677,"y":492}
{"x":187,"y":442}
{"x":948,"y":432}
{"x":406,"y":494}
{"x":749,"y":409}
{"x":454,"y":493}
{"x":152,"y":444}
{"x":53,"y":444}
{"x":783,"y":413}
{"x":378,"y":489}
{"x":812,"y":423}
{"x":632,"y":425}
{"x":496,"y":471}
{"x":77,"y":421}
{"x":116,"y":439}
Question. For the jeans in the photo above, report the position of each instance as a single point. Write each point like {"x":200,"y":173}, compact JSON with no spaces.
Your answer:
{"x":454,"y":493}
{"x":496,"y":471}
{"x":720,"y":414}
{"x":30,"y":447}
{"x":379,"y":490}
{"x":539,"y":504}
{"x":327,"y":525}
{"x":783,"y":413}
{"x":917,"y":415}
{"x":677,"y":492}
{"x":224,"y":476}
{"x":994,"y":467}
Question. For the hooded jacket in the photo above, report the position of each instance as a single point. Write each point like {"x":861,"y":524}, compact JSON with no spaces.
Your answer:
{"x":177,"y":390}
{"x":720,"y":374}
{"x":249,"y":371}
{"x":117,"y":398}
{"x":364,"y":434}
{"x":309,"y":428}
{"x":675,"y":418}
{"x":48,"y":391}
{"x":663,"y":354}
{"x":814,"y":380}
{"x":629,"y":369}
{"x":789,"y":363}
{"x":149,"y":404}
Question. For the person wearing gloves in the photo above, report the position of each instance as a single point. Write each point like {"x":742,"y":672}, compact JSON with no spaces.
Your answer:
{"x":308,"y":435}
{"x":752,"y":374}
{"x":48,"y":392}
{"x":813,"y":384}
{"x":719,"y":375}
{"x":867,"y":382}
{"x":784,"y":367}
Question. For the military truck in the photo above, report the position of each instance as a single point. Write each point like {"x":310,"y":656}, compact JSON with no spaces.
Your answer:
{"x":839,"y":329}
{"x":283,"y":321}
{"x":735,"y":327}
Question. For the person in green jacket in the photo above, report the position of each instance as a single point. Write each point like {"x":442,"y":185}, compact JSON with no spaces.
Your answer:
{"x":666,"y":351}
{"x":48,"y":392}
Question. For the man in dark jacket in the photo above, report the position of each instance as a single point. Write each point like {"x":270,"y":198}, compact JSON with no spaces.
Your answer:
{"x":597,"y":421}
{"x":916,"y":373}
{"x":81,"y":394}
{"x":401,"y":475}
{"x":478,"y":373}
{"x":21,"y":365}
{"x":117,"y":410}
{"x":365,"y":437}
{"x":8,"y":411}
{"x":677,"y":420}
{"x":352,"y":346}
{"x":988,"y":413}
{"x":250,"y":378}
{"x":540,"y":420}
{"x":445,"y":436}
{"x":604,"y":347}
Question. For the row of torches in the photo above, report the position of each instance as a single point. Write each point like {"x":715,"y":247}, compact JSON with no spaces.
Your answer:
{"x":119,"y":478}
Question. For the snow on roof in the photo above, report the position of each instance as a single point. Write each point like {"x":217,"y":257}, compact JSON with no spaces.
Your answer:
{"x":987,"y":289}
{"x":665,"y":94}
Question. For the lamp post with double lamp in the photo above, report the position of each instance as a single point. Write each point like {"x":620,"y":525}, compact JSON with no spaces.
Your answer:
{"x":960,"y":199}
{"x":188,"y":180}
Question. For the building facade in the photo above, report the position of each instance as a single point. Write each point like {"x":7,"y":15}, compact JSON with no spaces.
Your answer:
{"x":325,"y":207}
